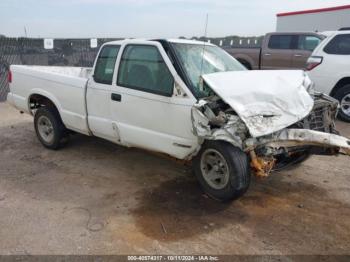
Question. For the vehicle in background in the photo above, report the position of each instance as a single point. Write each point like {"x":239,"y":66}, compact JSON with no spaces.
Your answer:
{"x":329,"y":69}
{"x":278,"y":51}
{"x":186,"y":99}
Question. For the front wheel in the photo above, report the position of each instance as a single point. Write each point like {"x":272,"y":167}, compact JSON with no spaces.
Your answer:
{"x":222,"y":170}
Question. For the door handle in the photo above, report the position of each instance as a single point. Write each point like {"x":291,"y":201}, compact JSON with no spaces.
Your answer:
{"x":297,"y":55}
{"x":267,"y":54}
{"x":116,"y":97}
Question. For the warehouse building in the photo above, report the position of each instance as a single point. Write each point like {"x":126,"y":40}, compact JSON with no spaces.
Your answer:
{"x":326,"y":19}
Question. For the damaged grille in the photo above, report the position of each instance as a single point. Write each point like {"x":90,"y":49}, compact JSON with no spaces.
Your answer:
{"x":322,"y":117}
{"x":316,"y":120}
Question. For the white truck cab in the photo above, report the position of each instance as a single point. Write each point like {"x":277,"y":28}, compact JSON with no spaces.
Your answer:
{"x":188,"y":99}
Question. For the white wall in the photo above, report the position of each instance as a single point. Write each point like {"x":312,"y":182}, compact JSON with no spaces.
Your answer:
{"x":326,"y":21}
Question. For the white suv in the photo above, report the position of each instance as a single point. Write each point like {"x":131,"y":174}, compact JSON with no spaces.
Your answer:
{"x":329,"y":69}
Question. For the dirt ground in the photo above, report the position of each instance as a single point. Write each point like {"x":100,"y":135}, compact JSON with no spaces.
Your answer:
{"x":94,"y":197}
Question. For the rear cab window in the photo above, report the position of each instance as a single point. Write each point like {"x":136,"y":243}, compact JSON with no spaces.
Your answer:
{"x":339,"y":45}
{"x":104,"y":68}
{"x":142,"y":68}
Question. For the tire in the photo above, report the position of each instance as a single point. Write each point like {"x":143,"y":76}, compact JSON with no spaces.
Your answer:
{"x":343,"y":95}
{"x":237,"y":179}
{"x":292,"y":161}
{"x":245,"y":64}
{"x":49,"y":128}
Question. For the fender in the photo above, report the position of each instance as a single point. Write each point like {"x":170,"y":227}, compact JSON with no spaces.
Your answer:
{"x":38,"y":91}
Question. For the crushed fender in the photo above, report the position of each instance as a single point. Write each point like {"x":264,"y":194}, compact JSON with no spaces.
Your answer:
{"x":214,"y":119}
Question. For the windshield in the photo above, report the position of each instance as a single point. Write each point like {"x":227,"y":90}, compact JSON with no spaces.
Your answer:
{"x":214,"y":60}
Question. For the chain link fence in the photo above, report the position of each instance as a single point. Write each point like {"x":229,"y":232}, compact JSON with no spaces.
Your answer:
{"x":28,"y":51}
{"x":74,"y":52}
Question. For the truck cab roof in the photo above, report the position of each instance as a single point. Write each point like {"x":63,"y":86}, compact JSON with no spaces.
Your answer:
{"x":174,"y":40}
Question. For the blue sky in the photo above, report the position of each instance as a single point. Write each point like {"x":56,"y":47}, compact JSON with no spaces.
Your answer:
{"x":146,"y":18}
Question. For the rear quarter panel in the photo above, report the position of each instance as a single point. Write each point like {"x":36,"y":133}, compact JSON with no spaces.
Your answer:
{"x":66,"y":92}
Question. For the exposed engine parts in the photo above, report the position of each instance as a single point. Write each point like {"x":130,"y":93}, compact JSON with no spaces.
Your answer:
{"x":213,"y":119}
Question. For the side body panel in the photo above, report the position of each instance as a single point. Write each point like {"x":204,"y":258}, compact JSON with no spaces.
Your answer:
{"x":151,"y":121}
{"x":98,"y":99}
{"x":148,"y":122}
{"x":67,"y":92}
{"x":303,"y":50}
{"x":142,"y":119}
{"x":275,"y":58}
{"x":300,"y":58}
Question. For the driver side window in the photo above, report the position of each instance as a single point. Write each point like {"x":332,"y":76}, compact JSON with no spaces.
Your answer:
{"x":143,"y":68}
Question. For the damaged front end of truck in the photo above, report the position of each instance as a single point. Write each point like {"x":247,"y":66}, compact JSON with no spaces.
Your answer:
{"x":278,"y":123}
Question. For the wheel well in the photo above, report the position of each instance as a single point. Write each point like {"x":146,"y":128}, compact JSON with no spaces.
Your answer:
{"x":340,"y":84}
{"x":245,"y":63}
{"x":36,"y":101}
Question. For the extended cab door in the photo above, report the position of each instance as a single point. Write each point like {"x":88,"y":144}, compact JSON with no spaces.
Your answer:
{"x":305,"y":45}
{"x":146,"y":110}
{"x":277,"y":52}
{"x":99,"y":93}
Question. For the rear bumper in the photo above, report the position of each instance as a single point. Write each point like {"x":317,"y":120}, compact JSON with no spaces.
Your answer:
{"x":10,"y":99}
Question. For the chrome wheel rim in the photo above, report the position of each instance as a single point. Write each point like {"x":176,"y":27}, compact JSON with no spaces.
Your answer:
{"x":45,"y":129}
{"x":345,"y":104}
{"x":214,"y":169}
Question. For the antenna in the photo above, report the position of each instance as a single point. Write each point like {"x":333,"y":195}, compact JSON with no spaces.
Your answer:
{"x":205,"y":36}
{"x":25,"y":31}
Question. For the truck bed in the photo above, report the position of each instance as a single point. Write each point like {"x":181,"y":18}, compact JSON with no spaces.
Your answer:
{"x":81,"y":72}
{"x":65,"y":86}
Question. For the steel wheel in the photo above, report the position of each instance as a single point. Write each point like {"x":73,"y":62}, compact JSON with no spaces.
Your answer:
{"x":214,"y":169}
{"x":345,"y":105}
{"x":45,"y":129}
{"x":222,"y":170}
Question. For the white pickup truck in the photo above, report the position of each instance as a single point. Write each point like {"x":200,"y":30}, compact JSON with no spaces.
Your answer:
{"x":190,"y":100}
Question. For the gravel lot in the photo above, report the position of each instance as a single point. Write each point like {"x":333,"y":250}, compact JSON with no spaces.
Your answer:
{"x":94,"y":197}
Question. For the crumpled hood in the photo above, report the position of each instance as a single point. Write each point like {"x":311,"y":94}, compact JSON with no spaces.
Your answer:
{"x":267,"y":101}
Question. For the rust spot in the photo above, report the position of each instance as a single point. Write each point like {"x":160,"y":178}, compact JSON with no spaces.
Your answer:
{"x":261,"y":166}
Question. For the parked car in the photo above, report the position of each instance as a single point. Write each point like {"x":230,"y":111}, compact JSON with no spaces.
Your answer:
{"x":329,"y":69}
{"x":188,"y":99}
{"x":278,"y":51}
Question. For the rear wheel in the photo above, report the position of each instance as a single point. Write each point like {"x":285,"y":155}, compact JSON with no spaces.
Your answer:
{"x":245,"y":64}
{"x":222,"y":170}
{"x":49,"y":128}
{"x":343,"y":96}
